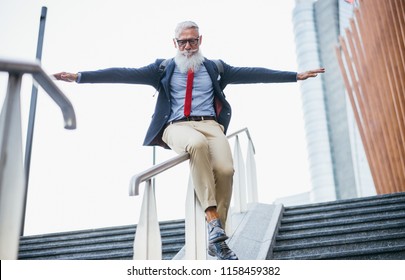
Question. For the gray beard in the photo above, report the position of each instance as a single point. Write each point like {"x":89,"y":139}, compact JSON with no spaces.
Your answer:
{"x":188,"y":60}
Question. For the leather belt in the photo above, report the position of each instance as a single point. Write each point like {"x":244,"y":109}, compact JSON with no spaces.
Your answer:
{"x":194,"y":118}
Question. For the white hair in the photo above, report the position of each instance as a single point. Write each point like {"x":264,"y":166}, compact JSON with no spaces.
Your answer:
{"x":183,"y":26}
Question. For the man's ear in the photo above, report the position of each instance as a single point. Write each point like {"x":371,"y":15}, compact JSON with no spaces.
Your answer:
{"x":200,"y":40}
{"x":175,"y":43}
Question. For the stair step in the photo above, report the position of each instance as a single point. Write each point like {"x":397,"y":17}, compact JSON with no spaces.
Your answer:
{"x":121,"y":254}
{"x":376,"y":253}
{"x":347,"y":204}
{"x":343,"y":229}
{"x":342,"y":212}
{"x":330,"y":222}
{"x":165,"y":227}
{"x":67,"y":239}
{"x":397,"y":253}
{"x":351,"y":213}
{"x":94,"y":241}
{"x":343,"y":236}
{"x":309,"y":243}
{"x":106,"y":247}
{"x":105,"y":243}
{"x":347,"y":249}
{"x":76,"y":249}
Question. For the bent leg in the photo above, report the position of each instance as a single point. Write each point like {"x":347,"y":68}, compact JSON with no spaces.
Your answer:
{"x":182,"y":137}
{"x":211,"y":163}
{"x":222,"y":166}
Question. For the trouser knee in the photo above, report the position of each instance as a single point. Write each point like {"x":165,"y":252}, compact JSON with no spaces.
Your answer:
{"x":224,"y":173}
{"x":197,"y":145}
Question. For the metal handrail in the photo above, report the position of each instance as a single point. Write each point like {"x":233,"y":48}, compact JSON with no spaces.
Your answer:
{"x":147,"y":242}
{"x":12,"y":176}
{"x":155,"y":170}
{"x":39,"y":75}
{"x":148,"y":174}
{"x":247,"y":134}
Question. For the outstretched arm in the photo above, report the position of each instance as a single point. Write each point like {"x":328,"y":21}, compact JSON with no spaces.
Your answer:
{"x":146,"y":75}
{"x":65,"y":76}
{"x":309,"y":74}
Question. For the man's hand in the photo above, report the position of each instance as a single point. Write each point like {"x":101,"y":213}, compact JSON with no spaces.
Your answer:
{"x":309,"y":74}
{"x":67,"y":77}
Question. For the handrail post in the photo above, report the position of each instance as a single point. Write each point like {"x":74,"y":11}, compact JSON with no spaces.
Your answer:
{"x":251,"y":176}
{"x":240,"y":204}
{"x":12,"y":178}
{"x":148,"y":241}
{"x":195,"y":225}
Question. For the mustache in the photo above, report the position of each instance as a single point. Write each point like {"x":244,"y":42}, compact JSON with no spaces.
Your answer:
{"x":188,"y":52}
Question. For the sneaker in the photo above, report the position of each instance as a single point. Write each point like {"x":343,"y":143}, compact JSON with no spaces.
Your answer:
{"x":215,"y":232}
{"x":221,"y":251}
{"x":211,"y":250}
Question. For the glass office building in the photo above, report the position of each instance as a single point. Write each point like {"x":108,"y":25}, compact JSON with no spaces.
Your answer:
{"x":338,"y":165}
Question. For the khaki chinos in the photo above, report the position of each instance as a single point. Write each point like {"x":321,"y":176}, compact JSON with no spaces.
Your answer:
{"x":211,"y":163}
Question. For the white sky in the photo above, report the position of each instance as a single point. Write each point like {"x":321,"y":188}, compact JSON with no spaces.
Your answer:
{"x":79,"y":179}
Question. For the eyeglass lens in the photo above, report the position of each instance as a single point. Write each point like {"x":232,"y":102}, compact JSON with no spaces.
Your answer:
{"x":192,"y":42}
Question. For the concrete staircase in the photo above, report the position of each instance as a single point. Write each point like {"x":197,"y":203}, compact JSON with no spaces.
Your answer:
{"x":115,"y":243}
{"x":362,"y":228}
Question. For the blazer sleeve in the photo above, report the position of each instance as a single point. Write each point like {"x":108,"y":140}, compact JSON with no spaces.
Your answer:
{"x":147,"y":75}
{"x":251,"y":75}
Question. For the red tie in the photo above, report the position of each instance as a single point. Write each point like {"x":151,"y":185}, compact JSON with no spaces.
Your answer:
{"x":189,"y":89}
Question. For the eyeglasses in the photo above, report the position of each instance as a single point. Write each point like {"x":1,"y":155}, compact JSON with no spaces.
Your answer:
{"x":193,"y":42}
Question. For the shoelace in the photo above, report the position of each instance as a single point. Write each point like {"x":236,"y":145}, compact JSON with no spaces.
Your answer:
{"x":225,"y":251}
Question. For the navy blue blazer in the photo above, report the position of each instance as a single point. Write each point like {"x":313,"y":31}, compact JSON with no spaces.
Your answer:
{"x":150,"y":75}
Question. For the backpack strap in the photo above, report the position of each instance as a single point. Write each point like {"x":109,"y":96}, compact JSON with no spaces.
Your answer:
{"x":219,"y":65}
{"x":162,"y":66}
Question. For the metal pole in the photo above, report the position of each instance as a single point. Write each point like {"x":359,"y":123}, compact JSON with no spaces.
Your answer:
{"x":32,"y":113}
{"x":154,"y":163}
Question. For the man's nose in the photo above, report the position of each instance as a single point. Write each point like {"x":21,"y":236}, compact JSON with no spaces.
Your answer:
{"x":187,"y":46}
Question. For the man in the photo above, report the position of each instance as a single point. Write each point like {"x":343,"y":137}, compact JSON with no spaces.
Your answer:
{"x":197,"y":127}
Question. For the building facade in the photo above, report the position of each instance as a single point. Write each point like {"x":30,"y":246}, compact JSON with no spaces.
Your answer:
{"x":337,"y":161}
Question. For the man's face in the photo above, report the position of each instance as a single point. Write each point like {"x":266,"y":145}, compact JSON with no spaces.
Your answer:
{"x":188,"y":42}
